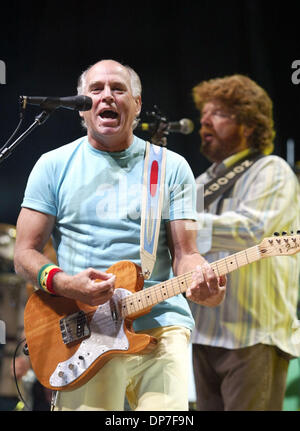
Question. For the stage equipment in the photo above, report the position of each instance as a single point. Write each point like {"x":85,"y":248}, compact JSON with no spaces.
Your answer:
{"x":77,"y":103}
{"x":159,"y":126}
{"x":48,"y":105}
{"x":12,"y":303}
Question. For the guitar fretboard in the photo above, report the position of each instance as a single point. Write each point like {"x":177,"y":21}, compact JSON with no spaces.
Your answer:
{"x":153,"y":295}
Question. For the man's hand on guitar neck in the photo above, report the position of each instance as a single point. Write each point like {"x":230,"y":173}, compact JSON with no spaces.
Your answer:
{"x":206,"y":288}
{"x":91,"y":286}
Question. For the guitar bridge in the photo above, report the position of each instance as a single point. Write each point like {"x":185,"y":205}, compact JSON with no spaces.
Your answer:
{"x":74,"y":327}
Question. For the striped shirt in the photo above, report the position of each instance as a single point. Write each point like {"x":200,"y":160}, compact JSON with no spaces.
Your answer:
{"x":261,"y":299}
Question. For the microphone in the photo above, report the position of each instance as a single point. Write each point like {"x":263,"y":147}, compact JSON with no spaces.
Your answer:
{"x":77,"y":103}
{"x":184,"y":126}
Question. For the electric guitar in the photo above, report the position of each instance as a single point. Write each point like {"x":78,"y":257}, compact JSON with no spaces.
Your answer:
{"x":69,"y":341}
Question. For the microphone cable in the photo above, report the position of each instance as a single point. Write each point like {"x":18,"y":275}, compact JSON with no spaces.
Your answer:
{"x":15,"y":376}
{"x":22,"y":110}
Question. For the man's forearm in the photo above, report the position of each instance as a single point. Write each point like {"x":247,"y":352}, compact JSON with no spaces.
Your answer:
{"x":187,"y":262}
{"x":28,"y":263}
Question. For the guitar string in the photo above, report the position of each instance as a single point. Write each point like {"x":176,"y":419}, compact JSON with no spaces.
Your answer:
{"x":182,"y":280}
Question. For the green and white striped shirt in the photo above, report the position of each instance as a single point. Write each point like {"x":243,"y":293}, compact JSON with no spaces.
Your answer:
{"x":261,"y":299}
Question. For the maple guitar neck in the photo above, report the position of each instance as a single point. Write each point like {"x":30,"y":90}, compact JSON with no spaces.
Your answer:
{"x":153,"y":295}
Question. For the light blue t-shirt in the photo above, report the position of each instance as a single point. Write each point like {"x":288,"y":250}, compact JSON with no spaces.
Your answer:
{"x":96,"y":199}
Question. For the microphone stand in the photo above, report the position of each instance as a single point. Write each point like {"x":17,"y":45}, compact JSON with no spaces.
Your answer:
{"x":39,"y":119}
{"x":159,"y":136}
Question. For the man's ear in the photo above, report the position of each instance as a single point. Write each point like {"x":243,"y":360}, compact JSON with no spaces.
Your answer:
{"x":248,"y":131}
{"x":138,"y":101}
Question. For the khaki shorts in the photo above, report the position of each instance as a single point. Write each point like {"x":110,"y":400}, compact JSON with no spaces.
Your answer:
{"x":155,"y":381}
{"x":249,"y":378}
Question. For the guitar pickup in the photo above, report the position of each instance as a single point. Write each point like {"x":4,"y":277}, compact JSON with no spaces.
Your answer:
{"x":74,"y":327}
{"x":114,"y":311}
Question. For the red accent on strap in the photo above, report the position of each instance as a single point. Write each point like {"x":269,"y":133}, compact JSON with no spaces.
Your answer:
{"x":49,"y":279}
{"x":153,"y":178}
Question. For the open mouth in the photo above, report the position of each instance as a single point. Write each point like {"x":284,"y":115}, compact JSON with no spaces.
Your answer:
{"x":112,"y":115}
{"x":207,"y":136}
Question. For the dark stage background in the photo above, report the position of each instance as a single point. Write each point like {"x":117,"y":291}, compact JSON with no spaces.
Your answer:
{"x":172,"y":45}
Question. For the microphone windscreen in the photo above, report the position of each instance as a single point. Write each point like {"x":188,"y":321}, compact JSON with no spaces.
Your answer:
{"x":79,"y":103}
{"x":187,"y":126}
{"x":84,"y":103}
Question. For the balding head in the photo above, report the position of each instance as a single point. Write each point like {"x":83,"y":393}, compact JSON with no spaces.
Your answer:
{"x":135,"y":82}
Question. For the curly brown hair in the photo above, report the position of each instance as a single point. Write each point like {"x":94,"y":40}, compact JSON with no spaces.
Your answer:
{"x":247,"y":101}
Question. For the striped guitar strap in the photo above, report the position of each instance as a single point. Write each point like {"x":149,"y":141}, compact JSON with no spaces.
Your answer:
{"x":218,"y":186}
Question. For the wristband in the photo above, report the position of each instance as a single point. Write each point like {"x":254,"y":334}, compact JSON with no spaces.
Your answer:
{"x":45,"y":277}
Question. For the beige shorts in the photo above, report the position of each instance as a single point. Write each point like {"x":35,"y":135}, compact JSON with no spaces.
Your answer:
{"x":155,"y":381}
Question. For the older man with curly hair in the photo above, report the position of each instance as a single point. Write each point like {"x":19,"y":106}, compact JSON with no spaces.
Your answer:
{"x":241,"y":350}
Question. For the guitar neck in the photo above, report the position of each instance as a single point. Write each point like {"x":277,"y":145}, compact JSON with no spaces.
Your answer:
{"x":147,"y":298}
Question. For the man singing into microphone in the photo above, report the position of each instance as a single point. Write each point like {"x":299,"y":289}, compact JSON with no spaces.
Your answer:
{"x":88,"y":196}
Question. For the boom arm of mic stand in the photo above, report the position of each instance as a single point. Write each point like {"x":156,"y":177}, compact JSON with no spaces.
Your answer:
{"x":39,"y":119}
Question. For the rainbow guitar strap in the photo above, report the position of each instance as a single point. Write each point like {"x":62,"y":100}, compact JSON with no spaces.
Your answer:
{"x":152,"y":202}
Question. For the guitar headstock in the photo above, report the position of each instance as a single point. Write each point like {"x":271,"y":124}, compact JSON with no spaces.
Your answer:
{"x":280,"y":245}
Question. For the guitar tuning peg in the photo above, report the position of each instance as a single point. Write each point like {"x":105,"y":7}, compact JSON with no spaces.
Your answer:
{"x":284,"y":233}
{"x":292,"y":232}
{"x":298,"y":232}
{"x":276,"y":233}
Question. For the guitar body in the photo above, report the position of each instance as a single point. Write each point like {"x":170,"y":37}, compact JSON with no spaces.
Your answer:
{"x":69,"y":341}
